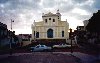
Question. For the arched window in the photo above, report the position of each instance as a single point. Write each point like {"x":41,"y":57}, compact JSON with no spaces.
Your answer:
{"x":62,"y":33}
{"x":45,"y":20}
{"x":50,"y":33}
{"x":34,"y":33}
{"x":37,"y":34}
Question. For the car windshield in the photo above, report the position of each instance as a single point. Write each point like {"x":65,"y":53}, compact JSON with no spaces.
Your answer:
{"x":37,"y":46}
{"x":42,"y":45}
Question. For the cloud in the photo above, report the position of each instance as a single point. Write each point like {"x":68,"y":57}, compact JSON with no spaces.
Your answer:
{"x":3,"y":1}
{"x":79,"y":1}
{"x":66,"y":6}
{"x":24,"y":12}
{"x":12,"y":9}
{"x":96,"y":4}
{"x":48,"y":3}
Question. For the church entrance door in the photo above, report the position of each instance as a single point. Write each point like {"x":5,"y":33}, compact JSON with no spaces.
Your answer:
{"x":50,"y":33}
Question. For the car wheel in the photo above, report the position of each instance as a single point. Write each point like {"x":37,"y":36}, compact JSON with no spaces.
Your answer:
{"x":45,"y":50}
{"x":31,"y":50}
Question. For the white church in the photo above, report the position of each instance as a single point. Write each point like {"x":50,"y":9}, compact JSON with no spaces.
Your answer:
{"x":50,"y":28}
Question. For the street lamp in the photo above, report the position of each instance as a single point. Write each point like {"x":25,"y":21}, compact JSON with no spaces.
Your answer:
{"x":71,"y":39}
{"x":11,"y":23}
{"x":11,"y":38}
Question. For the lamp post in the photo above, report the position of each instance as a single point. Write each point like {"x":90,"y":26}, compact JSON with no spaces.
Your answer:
{"x":71,"y":39}
{"x":11,"y":38}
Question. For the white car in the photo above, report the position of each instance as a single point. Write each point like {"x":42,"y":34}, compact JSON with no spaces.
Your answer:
{"x":61,"y":46}
{"x":40,"y":48}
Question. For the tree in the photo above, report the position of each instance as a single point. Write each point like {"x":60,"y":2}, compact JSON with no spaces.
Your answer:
{"x":94,"y":23}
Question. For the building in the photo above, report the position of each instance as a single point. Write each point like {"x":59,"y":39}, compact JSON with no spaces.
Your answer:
{"x":50,"y":28}
{"x":80,"y":28}
{"x":24,"y":39}
{"x":85,"y":22}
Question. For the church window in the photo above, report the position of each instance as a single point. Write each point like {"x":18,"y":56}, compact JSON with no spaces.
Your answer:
{"x":34,"y":33}
{"x":53,"y":20}
{"x":45,"y":20}
{"x":62,"y":33}
{"x":49,"y":18}
{"x":37,"y":34}
{"x":58,"y":17}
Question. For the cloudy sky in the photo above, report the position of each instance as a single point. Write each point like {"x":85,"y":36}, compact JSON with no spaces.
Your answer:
{"x":24,"y":12}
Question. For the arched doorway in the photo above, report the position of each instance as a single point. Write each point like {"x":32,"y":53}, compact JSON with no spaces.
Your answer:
{"x":50,"y":33}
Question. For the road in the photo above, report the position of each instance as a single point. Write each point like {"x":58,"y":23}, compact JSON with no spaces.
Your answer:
{"x":40,"y":57}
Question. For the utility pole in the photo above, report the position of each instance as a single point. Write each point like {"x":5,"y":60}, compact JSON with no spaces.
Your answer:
{"x":11,"y":37}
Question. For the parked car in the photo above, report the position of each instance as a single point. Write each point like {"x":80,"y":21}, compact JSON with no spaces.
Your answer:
{"x":41,"y":48}
{"x":61,"y":46}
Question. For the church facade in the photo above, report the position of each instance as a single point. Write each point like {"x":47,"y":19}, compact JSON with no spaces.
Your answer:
{"x":51,"y":27}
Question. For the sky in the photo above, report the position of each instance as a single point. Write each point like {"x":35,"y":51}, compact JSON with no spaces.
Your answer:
{"x":24,"y":12}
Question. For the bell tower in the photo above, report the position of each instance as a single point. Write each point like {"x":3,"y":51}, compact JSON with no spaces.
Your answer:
{"x":59,"y":15}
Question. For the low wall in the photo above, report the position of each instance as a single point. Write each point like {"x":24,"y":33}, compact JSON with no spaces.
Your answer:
{"x":26,"y":43}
